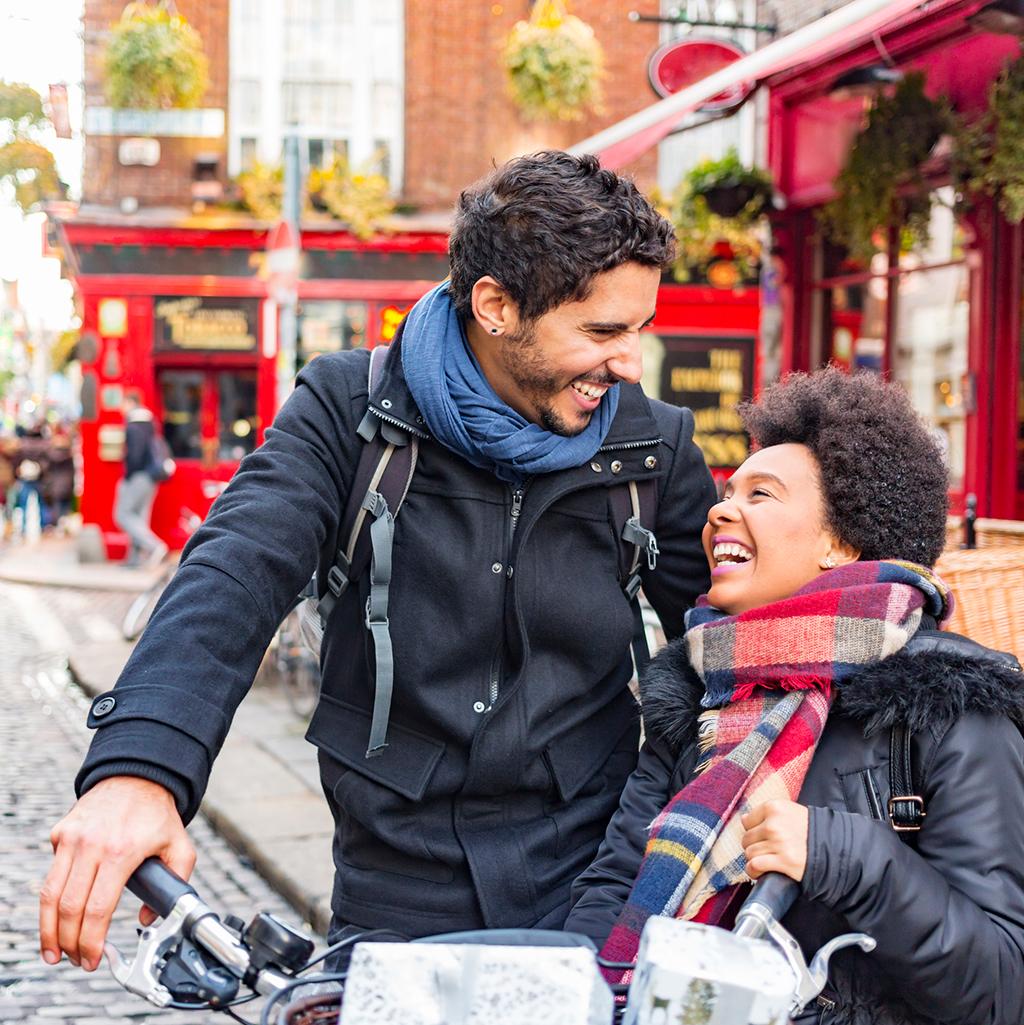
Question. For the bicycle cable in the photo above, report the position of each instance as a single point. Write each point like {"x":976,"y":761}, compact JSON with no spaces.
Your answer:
{"x":285,"y":990}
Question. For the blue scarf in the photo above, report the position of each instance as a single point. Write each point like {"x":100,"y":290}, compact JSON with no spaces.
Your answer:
{"x":464,"y":412}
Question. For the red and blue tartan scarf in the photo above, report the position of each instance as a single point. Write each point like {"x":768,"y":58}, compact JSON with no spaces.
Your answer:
{"x":768,"y":675}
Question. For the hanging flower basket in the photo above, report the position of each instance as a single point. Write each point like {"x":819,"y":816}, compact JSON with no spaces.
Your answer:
{"x":554,"y":64}
{"x":154,"y":60}
{"x":730,"y":189}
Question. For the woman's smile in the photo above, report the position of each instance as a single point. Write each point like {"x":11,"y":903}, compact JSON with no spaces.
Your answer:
{"x":729,"y":554}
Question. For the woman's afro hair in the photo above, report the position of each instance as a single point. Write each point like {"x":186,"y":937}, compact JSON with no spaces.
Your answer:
{"x":883,"y":475}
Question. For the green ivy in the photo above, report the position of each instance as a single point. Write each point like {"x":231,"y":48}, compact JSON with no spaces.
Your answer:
{"x":988,"y":156}
{"x":881,"y":186}
{"x":154,"y":60}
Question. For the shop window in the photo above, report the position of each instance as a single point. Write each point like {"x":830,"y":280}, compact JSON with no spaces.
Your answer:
{"x":330,"y":325}
{"x":905,"y":314}
{"x":209,"y":410}
{"x":181,"y":393}
{"x":929,"y":354}
{"x":236,"y":414}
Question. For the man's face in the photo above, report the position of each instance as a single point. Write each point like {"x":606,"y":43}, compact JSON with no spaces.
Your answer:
{"x":555,"y":370}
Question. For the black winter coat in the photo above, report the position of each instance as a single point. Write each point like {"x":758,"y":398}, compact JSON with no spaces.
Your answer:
{"x":479,"y":812}
{"x":946,"y":904}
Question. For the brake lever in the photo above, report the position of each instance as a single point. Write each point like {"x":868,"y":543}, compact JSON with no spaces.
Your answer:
{"x":141,"y":974}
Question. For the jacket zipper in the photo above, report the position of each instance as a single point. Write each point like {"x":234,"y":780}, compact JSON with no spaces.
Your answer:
{"x":623,"y":446}
{"x":494,"y":686}
{"x":398,"y":423}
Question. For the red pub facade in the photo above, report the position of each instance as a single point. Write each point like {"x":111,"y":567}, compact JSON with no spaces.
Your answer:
{"x":182,"y":313}
{"x":944,"y":320}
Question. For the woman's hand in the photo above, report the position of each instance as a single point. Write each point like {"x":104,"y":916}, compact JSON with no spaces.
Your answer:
{"x":776,"y":839}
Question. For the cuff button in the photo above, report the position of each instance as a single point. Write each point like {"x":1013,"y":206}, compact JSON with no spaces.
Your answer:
{"x":103,"y":707}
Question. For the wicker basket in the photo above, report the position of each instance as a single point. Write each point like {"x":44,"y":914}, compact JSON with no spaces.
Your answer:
{"x":988,"y":585}
{"x":999,"y":533}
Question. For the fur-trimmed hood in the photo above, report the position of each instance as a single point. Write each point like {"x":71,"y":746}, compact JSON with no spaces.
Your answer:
{"x":937,"y":678}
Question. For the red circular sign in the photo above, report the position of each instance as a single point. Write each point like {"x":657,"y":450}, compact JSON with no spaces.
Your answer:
{"x":683,"y":62}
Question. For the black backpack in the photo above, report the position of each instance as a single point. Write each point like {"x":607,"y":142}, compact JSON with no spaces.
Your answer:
{"x":366,"y":533}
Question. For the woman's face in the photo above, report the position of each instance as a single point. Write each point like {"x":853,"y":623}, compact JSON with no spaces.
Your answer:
{"x":767,"y":537}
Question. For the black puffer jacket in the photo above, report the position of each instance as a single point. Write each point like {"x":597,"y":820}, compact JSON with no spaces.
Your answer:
{"x":946,"y":904}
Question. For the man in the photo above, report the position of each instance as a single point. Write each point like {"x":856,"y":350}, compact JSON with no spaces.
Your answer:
{"x":512,"y":728}
{"x":137,"y":489}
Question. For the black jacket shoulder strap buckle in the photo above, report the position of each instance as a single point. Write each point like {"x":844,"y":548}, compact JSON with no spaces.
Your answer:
{"x":906,"y":809}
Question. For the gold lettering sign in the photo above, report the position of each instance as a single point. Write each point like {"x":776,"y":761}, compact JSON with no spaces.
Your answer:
{"x":711,"y":377}
{"x":195,"y":324}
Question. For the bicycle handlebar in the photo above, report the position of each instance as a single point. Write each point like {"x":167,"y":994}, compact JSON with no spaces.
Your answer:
{"x":157,"y":886}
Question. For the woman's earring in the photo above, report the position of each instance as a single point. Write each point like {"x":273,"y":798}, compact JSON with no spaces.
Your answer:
{"x":828,"y":563}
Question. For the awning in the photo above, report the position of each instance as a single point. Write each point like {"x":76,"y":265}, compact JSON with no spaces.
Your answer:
{"x":854,"y":22}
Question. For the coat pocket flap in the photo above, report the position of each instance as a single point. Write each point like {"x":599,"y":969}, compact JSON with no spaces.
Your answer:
{"x":405,"y":765}
{"x":582,"y":751}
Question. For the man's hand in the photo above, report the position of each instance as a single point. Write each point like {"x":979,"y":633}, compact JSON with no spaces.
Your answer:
{"x":112,"y":829}
{"x":776,"y":839}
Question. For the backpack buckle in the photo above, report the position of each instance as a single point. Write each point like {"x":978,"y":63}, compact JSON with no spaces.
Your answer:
{"x":632,"y":586}
{"x":635,"y":534}
{"x":375,"y":616}
{"x":375,"y":504}
{"x":336,"y":581}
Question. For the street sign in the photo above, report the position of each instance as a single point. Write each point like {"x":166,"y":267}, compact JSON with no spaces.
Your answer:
{"x":282,"y":264}
{"x":683,"y":62}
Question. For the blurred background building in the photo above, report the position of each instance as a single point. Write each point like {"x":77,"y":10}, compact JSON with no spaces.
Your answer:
{"x":167,"y":245}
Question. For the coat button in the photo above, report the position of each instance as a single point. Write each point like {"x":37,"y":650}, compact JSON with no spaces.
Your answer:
{"x":479,"y":707}
{"x":596,"y":467}
{"x":420,"y":420}
{"x":650,"y":462}
{"x":616,"y":467}
{"x":386,"y":403}
{"x":497,"y":568}
{"x":103,"y":707}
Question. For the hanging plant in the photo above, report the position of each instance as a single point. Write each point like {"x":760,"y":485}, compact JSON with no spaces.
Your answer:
{"x":882,"y":185}
{"x":553,"y":63}
{"x":987,"y":152}
{"x":730,"y":189}
{"x":261,"y":190}
{"x":707,"y":240}
{"x":154,"y":60}
{"x":360,"y":198}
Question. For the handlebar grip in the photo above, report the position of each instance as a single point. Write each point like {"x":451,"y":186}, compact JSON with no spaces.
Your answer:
{"x":775,"y":892}
{"x":157,"y":886}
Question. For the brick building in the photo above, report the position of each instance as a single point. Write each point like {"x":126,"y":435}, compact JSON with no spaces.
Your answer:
{"x":458,"y":116}
{"x":106,"y":181}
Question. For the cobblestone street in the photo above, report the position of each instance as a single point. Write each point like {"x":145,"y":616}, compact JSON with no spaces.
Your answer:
{"x":42,"y":738}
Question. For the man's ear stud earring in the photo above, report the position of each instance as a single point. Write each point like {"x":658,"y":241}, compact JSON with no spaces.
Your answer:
{"x":494,"y":330}
{"x":829,"y":563}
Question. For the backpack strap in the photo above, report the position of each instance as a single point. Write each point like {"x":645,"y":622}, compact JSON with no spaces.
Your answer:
{"x":386,"y":466}
{"x":634,"y":507}
{"x":906,"y":809}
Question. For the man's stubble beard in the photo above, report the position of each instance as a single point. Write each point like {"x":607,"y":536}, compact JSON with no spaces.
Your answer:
{"x":533,"y":377}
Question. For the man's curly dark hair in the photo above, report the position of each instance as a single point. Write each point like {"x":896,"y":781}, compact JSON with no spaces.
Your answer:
{"x":883,"y":475}
{"x":545,"y":225}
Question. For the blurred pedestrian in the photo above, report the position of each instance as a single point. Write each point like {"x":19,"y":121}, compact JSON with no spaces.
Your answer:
{"x":59,"y":482}
{"x":137,"y":489}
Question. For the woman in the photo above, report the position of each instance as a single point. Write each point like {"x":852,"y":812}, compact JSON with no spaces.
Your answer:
{"x":769,"y":726}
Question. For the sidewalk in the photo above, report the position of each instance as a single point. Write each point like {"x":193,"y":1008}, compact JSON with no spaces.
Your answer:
{"x":264,"y":794}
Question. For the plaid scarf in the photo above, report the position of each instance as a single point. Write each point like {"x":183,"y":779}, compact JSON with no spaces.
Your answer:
{"x":766,"y":710}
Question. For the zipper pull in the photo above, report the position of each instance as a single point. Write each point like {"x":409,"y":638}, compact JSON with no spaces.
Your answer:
{"x":517,"y":503}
